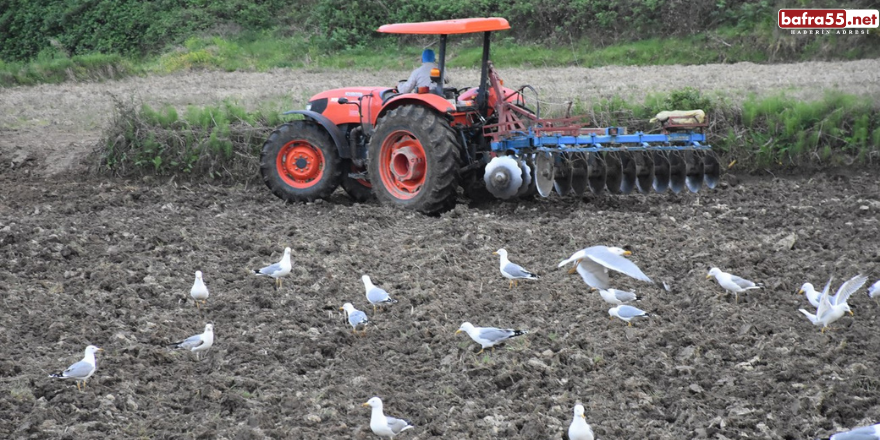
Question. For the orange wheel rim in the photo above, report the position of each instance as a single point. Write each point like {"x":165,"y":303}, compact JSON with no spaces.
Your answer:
{"x":403,"y":165}
{"x":300,"y":164}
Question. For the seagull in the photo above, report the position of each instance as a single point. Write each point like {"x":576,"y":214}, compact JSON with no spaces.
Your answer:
{"x":874,"y":290}
{"x":833,"y":308}
{"x":82,"y":370}
{"x":594,"y":262}
{"x":579,"y":428}
{"x":382,"y":425}
{"x":376,"y":295}
{"x":356,"y":317}
{"x":848,"y":288}
{"x":197,"y":343}
{"x":488,"y":336}
{"x":278,"y":269}
{"x":812,"y":294}
{"x":732,"y":283}
{"x":617,"y":297}
{"x":626,"y":313}
{"x":864,"y":433}
{"x":199,"y":291}
{"x":513,"y":272}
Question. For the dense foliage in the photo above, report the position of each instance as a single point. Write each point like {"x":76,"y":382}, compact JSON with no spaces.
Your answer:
{"x":136,"y":27}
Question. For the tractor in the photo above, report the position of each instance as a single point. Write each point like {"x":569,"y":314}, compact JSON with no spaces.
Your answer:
{"x":414,"y":150}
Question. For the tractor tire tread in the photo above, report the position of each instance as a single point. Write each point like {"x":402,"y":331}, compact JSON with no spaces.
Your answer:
{"x":317,"y":136}
{"x":442,"y":150}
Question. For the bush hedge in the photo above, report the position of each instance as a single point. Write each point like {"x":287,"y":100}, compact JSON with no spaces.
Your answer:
{"x":135,"y":27}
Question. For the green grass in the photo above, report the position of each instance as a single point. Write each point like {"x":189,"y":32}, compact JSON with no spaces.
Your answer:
{"x":223,"y":142}
{"x":266,"y":50}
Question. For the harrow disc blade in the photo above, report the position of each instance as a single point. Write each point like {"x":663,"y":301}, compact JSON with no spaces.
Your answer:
{"x":503,"y":177}
{"x":694,"y":172}
{"x":613,"y":173}
{"x":579,"y":173}
{"x":527,"y":181}
{"x":544,"y":173}
{"x":661,"y":172}
{"x":628,"y":169}
{"x":562,"y":178}
{"x":677,"y":173}
{"x":644,"y":172}
{"x":711,"y":170}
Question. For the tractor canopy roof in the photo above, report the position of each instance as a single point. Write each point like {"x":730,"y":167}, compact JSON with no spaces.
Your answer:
{"x":444,"y":27}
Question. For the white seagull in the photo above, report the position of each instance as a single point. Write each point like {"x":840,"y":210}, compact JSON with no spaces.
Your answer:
{"x":197,"y":343}
{"x":812,"y":294}
{"x":617,"y":297}
{"x":278,"y":269}
{"x":82,"y":370}
{"x":847,"y":289}
{"x":376,"y":295}
{"x":579,"y":428}
{"x":874,"y":290}
{"x":864,"y":433}
{"x":594,"y":262}
{"x":356,"y":317}
{"x":627,"y":313}
{"x":513,"y":272}
{"x":489,"y":336}
{"x":199,"y":291}
{"x":833,"y":308}
{"x":382,"y":425}
{"x":732,"y":283}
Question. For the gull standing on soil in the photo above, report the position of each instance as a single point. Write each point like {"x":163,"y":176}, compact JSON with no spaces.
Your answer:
{"x":376,"y":295}
{"x":356,"y":317}
{"x":278,"y":269}
{"x":197,"y":343}
{"x":874,"y":290}
{"x":579,"y":428}
{"x":382,"y":425}
{"x":199,"y":291}
{"x":489,"y":336}
{"x":617,"y":297}
{"x":594,"y":262}
{"x":732,"y":283}
{"x":627,"y":313}
{"x":82,"y":370}
{"x":513,"y":272}
{"x":864,"y":433}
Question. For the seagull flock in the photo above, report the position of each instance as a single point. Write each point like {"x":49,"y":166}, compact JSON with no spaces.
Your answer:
{"x":594,"y":265}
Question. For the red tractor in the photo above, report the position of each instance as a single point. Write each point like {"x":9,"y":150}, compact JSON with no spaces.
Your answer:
{"x":414,"y":150}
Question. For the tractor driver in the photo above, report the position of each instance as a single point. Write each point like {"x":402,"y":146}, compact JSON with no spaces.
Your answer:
{"x":421,"y":76}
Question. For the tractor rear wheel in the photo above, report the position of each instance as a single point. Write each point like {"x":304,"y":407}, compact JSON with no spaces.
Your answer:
{"x":300,"y":163}
{"x":413,"y":160}
{"x":360,"y":190}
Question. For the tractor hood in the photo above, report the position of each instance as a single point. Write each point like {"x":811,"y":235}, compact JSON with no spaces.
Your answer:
{"x":327,"y":103}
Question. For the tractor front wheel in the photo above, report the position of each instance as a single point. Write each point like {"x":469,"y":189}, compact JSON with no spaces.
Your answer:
{"x":300,"y":163}
{"x":413,"y":160}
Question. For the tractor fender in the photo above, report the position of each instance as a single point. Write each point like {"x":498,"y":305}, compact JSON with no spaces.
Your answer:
{"x":436,"y":102}
{"x":332,"y":129}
